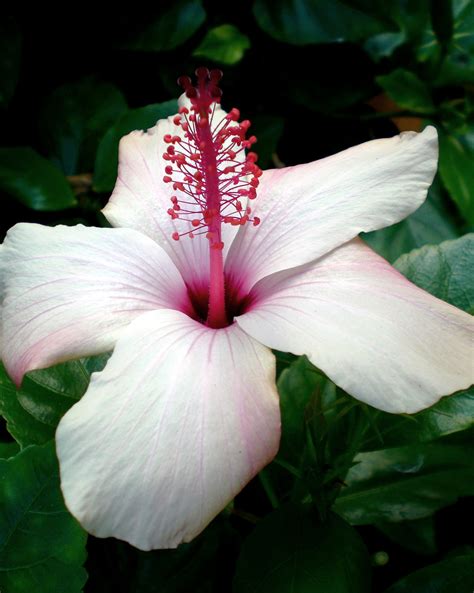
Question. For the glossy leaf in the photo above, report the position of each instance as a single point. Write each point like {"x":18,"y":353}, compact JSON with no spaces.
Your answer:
{"x":444,"y":270}
{"x":416,"y":536}
{"x":405,"y":483}
{"x":296,"y":385}
{"x":224,"y":44}
{"x":452,"y":575}
{"x":171,"y":28}
{"x":407,"y":90}
{"x":188,"y":568}
{"x":74,"y":118}
{"x":456,"y":156}
{"x":42,"y":547}
{"x":430,"y":224}
{"x":33,"y":180}
{"x":106,"y":163}
{"x":33,"y":412}
{"x":451,"y":414}
{"x":291,"y":550}
{"x":302,"y":22}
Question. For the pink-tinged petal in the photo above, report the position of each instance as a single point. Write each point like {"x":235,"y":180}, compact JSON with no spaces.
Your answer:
{"x":69,"y":291}
{"x":141,"y":200}
{"x":374,"y":333}
{"x":180,"y":419}
{"x":308,"y":210}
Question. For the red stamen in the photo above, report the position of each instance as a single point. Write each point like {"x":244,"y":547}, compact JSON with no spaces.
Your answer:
{"x":208,"y":169}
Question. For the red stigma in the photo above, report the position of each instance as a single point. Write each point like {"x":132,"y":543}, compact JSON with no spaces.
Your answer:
{"x":206,"y":163}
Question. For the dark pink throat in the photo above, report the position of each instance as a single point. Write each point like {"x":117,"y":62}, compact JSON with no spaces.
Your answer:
{"x":211,"y":176}
{"x":235,"y":304}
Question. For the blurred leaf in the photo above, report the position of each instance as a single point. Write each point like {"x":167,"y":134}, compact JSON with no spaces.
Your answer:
{"x":301,"y":22}
{"x":42,"y":548}
{"x":456,"y":158}
{"x":10,"y":57}
{"x":224,"y":44}
{"x":171,"y":28}
{"x":417,"y":536}
{"x":430,"y":224}
{"x":268,"y":129}
{"x":451,"y":57}
{"x":443,"y":270}
{"x":74,"y":118}
{"x":451,"y":414}
{"x":33,"y":412}
{"x":33,"y":180}
{"x":458,"y":65}
{"x":442,"y":20}
{"x":291,"y":550}
{"x":106,"y":163}
{"x":405,"y":483}
{"x":383,"y":45}
{"x":407,"y":90}
{"x":406,"y":22}
{"x":452,"y":575}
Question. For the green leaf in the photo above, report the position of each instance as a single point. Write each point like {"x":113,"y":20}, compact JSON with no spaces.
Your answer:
{"x":407,"y":90}
{"x":456,"y":158}
{"x":383,"y":45}
{"x":405,"y":483}
{"x":458,"y":65}
{"x":42,"y":548}
{"x":171,"y":28}
{"x":430,"y":224}
{"x":33,"y":412}
{"x":291,"y":550}
{"x":106,"y":163}
{"x":301,"y":22}
{"x":416,"y":536}
{"x":188,"y":568}
{"x":268,"y":129}
{"x":452,"y":575}
{"x":451,"y":414}
{"x":224,"y":44}
{"x":296,"y":385}
{"x":73,"y":120}
{"x":444,"y":270}
{"x":10,"y":55}
{"x":448,"y":44}
{"x":8,"y":450}
{"x":33,"y":180}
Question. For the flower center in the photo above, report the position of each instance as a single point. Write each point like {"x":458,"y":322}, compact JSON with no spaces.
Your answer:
{"x":212,"y":176}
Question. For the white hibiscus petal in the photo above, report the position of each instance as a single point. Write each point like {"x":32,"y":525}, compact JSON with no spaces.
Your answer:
{"x":181,"y":418}
{"x":374,"y":333}
{"x":308,"y":210}
{"x":69,"y":291}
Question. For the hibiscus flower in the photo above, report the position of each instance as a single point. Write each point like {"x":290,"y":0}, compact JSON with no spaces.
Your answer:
{"x":210,"y":264}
